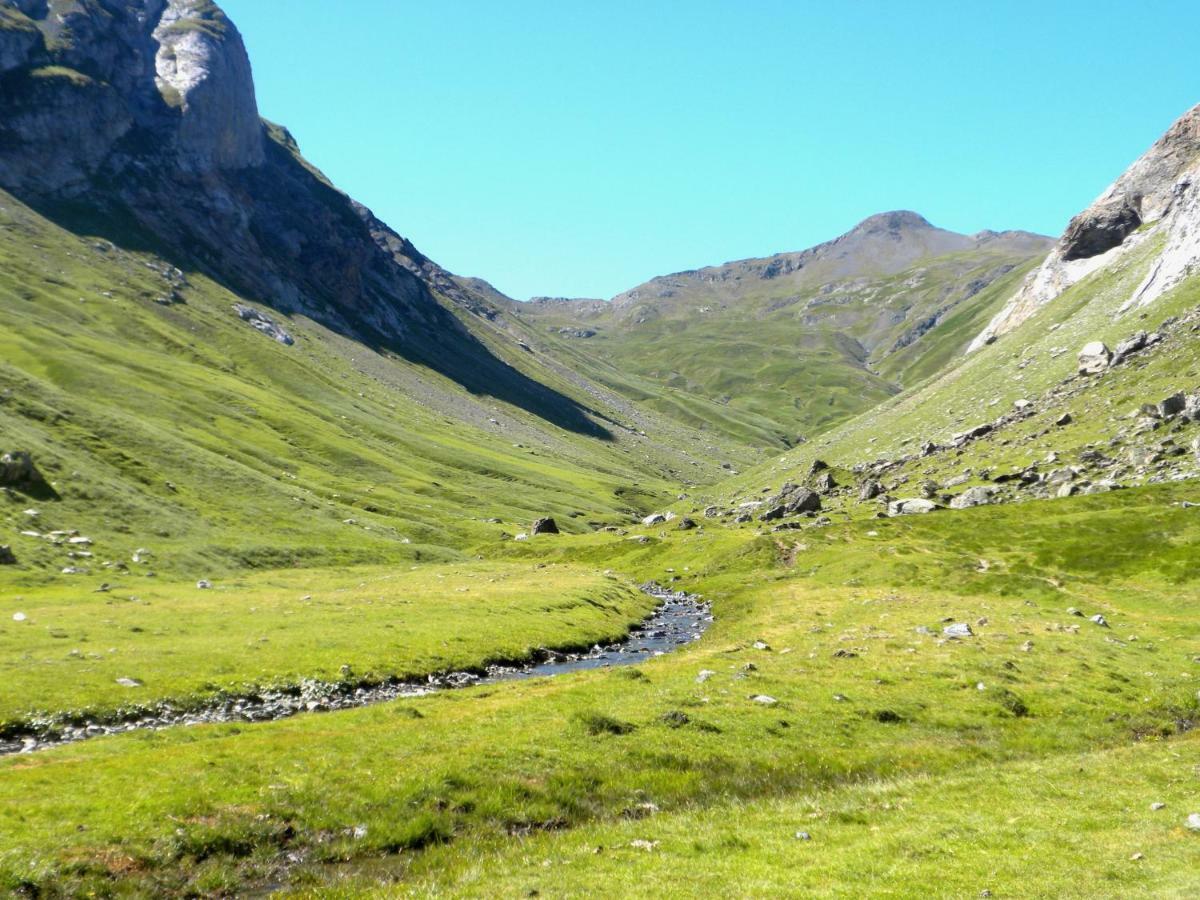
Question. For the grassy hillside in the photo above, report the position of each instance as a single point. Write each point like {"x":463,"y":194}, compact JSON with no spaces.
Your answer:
{"x":784,"y":356}
{"x":1037,"y":364}
{"x":177,"y":428}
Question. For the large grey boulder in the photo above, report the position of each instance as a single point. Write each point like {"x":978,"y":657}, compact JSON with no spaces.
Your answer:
{"x":1094,"y":358}
{"x":980,"y":495}
{"x":911,"y":507}
{"x":800,"y":500}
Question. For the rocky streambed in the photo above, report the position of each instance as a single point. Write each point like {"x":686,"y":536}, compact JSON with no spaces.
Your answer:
{"x":679,"y":619}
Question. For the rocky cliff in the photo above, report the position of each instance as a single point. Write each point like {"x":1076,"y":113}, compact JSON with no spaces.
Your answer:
{"x":139,"y":117}
{"x":1156,"y":199}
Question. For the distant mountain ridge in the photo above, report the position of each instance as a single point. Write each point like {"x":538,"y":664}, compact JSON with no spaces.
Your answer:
{"x":793,"y":342}
{"x":882,"y":244}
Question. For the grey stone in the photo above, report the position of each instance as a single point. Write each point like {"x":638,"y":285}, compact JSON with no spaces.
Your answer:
{"x":976,"y":496}
{"x":7,"y":557}
{"x":958,"y":630}
{"x":545,"y":525}
{"x":911,"y":507}
{"x":1094,"y":358}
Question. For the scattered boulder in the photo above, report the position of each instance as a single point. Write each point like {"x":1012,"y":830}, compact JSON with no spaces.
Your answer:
{"x":654,"y":519}
{"x":1193,"y":822}
{"x":800,"y":500}
{"x":825,"y":482}
{"x":1063,"y":420}
{"x":1129,"y":346}
{"x":686,"y":524}
{"x":545,"y":525}
{"x":18,"y":471}
{"x":764,"y":699}
{"x":958,"y":630}
{"x":204,"y":585}
{"x":773,"y":514}
{"x":7,"y":558}
{"x":972,"y":434}
{"x":911,"y":507}
{"x":976,"y":496}
{"x":1094,"y":358}
{"x":1172,"y":406}
{"x":263,"y":323}
{"x":870,"y":490}
{"x":818,"y":466}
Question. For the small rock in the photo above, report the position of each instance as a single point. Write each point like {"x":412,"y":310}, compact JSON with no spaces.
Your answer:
{"x":764,"y":699}
{"x":654,"y":519}
{"x":704,"y":675}
{"x":1155,"y":807}
{"x":640,"y":844}
{"x":204,"y":585}
{"x":544,"y":525}
{"x":129,"y":682}
{"x":1193,"y":822}
{"x":803,"y":836}
{"x":7,"y":557}
{"x":20,"y":617}
{"x":1027,"y":647}
{"x":958,"y":630}
{"x":1064,"y":419}
{"x":1099,"y":620}
{"x":761,"y":645}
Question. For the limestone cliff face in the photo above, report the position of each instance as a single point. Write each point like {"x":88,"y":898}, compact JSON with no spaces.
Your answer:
{"x":1157,"y":198}
{"x":202,"y":66}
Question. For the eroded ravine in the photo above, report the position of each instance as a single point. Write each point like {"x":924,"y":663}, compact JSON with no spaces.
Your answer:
{"x":679,"y":619}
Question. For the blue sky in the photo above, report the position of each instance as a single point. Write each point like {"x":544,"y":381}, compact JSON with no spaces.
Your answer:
{"x":570,"y":148}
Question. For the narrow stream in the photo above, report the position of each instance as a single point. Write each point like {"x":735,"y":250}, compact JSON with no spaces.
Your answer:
{"x":678,"y":620}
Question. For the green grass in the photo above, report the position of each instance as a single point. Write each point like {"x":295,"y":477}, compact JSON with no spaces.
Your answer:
{"x":276,"y":628}
{"x":224,"y":805}
{"x":1064,"y":826}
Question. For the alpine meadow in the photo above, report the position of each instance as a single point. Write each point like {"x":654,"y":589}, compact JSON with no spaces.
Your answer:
{"x":862,"y":570}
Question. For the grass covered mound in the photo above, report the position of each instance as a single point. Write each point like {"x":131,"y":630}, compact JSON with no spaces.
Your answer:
{"x":827,"y":671}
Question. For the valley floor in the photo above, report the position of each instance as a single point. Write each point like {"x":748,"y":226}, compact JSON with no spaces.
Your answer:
{"x":1021,"y":760}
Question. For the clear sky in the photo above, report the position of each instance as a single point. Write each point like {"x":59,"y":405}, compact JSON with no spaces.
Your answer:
{"x":575,"y":148}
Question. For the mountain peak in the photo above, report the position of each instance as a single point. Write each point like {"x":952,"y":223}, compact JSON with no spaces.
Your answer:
{"x":895,"y":221}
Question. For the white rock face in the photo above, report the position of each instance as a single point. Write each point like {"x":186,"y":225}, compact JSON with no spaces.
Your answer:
{"x":202,"y":68}
{"x":1161,"y":190}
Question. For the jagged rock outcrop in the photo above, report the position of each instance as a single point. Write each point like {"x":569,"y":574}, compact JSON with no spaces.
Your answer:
{"x":144,"y":111}
{"x":1158,"y":195}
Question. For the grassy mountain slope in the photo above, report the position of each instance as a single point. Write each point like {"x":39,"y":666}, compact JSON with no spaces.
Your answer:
{"x":181,"y":429}
{"x":1037,"y":364}
{"x":793,"y":344}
